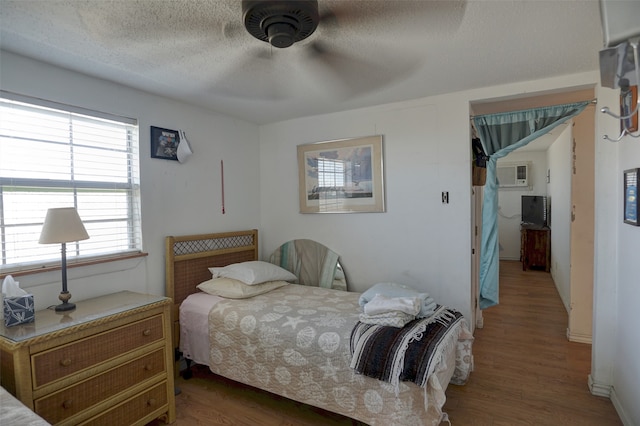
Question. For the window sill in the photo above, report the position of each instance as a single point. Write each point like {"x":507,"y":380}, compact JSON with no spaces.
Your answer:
{"x":79,"y":263}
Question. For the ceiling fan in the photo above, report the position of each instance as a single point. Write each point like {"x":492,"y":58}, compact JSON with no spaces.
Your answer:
{"x":283,"y":23}
{"x":333,"y":48}
{"x":280,"y":23}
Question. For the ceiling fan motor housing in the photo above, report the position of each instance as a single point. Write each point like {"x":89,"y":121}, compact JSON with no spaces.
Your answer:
{"x":280,"y":23}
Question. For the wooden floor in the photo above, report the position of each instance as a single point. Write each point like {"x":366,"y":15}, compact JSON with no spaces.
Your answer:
{"x":526,"y":373}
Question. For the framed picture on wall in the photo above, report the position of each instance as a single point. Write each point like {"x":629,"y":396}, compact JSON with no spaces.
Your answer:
{"x":628,"y":102}
{"x":631,"y":196}
{"x":164,"y":143}
{"x":343,"y":176}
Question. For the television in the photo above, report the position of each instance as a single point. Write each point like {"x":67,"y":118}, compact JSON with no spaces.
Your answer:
{"x":534,"y":210}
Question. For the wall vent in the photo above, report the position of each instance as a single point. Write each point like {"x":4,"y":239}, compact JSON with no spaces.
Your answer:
{"x":513,"y":175}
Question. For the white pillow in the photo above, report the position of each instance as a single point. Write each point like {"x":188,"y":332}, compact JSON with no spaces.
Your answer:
{"x":253,"y":272}
{"x":234,"y":289}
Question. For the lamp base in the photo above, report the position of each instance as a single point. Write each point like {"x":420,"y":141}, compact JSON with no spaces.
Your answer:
{"x":65,"y":305}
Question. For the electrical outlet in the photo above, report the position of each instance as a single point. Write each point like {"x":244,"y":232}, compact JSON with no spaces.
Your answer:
{"x":445,"y":197}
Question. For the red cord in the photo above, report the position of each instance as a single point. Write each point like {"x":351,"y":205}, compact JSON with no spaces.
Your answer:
{"x":222,"y":181}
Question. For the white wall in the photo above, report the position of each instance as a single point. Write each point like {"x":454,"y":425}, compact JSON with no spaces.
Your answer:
{"x":626,"y":381}
{"x":177,"y":199}
{"x":559,"y":191}
{"x":419,"y":241}
{"x":510,"y":200}
{"x":615,"y":369}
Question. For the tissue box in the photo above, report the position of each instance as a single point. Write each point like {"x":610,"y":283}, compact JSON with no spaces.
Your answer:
{"x":18,"y":310}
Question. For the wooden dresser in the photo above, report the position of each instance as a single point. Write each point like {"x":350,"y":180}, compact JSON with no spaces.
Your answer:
{"x":109,"y":362}
{"x":535,"y":247}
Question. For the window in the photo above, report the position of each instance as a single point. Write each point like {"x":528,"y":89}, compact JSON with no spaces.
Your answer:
{"x":53,"y":155}
{"x":330,"y":174}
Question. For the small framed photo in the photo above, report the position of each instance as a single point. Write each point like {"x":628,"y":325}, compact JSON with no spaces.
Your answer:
{"x":164,"y":143}
{"x":628,"y":102}
{"x":343,"y":176}
{"x":631,"y":196}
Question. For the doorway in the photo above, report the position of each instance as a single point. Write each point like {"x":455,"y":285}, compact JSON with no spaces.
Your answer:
{"x":579,"y":283}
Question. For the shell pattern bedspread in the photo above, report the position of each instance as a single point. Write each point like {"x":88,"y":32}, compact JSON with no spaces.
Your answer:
{"x":14,"y":412}
{"x":294,"y":342}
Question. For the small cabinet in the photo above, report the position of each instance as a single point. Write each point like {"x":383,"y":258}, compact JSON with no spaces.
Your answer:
{"x":535,"y":247}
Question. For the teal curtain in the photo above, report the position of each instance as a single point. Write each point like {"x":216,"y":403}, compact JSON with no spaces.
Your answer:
{"x":501,"y":134}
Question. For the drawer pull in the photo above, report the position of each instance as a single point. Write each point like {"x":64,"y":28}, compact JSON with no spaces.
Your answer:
{"x":148,"y":367}
{"x":65,"y":362}
{"x":147,"y":332}
{"x":67,"y":404}
{"x":151,"y":402}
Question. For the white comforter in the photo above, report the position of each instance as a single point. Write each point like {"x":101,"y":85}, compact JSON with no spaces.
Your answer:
{"x":14,"y":412}
{"x":294,"y":342}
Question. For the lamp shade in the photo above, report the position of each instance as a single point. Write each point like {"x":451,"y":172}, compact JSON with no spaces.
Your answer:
{"x":62,"y":225}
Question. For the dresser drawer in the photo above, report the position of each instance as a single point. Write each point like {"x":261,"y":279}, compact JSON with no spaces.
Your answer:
{"x":133,"y":409}
{"x":74,"y":399}
{"x":70,"y":358}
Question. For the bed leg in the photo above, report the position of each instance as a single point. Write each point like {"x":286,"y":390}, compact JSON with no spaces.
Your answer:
{"x":187,"y":373}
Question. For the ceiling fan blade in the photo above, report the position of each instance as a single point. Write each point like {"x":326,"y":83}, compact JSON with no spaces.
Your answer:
{"x":353,"y":76}
{"x":257,"y":76}
{"x":233,"y":29}
{"x":434,"y":16}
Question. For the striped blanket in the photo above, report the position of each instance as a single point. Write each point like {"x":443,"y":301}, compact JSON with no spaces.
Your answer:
{"x":409,"y":353}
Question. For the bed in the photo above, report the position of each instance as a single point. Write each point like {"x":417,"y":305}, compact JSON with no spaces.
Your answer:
{"x":294,"y":340}
{"x":14,"y":412}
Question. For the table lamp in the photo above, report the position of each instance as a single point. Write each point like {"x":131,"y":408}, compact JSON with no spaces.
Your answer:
{"x":63,"y":225}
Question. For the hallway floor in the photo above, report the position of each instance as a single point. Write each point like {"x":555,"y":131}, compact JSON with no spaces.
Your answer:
{"x":526,"y":371}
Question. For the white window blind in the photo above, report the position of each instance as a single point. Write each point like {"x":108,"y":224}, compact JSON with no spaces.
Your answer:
{"x":52,"y":155}
{"x":330,"y":173}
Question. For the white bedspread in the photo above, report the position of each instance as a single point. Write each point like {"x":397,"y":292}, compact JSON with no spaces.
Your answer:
{"x":311,"y":366}
{"x":194,"y":326}
{"x":14,"y":412}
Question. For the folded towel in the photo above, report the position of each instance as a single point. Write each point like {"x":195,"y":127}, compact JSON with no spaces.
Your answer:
{"x":395,"y":319}
{"x":381,"y":304}
{"x":427,"y":307}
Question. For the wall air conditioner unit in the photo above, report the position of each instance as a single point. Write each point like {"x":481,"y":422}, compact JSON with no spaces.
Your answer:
{"x":513,"y":175}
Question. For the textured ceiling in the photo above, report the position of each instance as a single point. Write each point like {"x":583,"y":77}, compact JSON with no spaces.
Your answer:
{"x":375,"y":51}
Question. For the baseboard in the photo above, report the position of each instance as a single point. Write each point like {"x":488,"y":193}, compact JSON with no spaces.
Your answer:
{"x":599,"y":389}
{"x":517,"y":259}
{"x":579,"y":338}
{"x":608,"y":391}
{"x":626,"y":421}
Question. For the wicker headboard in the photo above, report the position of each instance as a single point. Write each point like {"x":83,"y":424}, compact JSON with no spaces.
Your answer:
{"x":188,"y":258}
